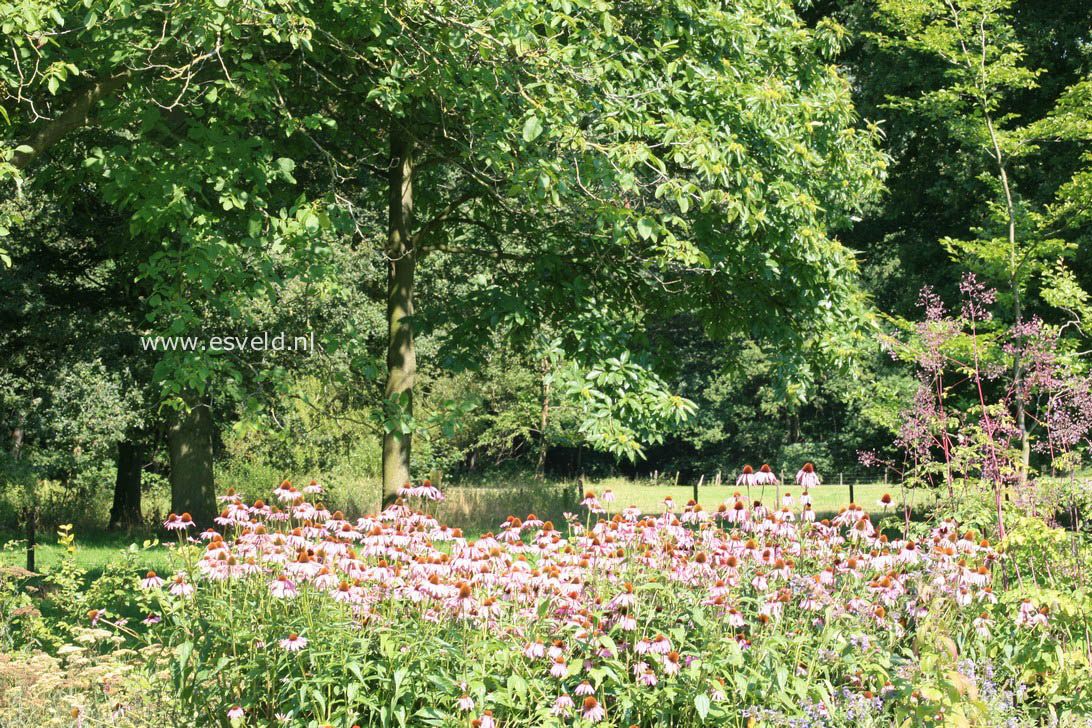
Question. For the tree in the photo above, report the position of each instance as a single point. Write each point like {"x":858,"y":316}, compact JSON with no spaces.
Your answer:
{"x":600,"y":162}
{"x":74,"y":391}
{"x":983,"y":71}
{"x":135,"y":91}
{"x":589,"y":164}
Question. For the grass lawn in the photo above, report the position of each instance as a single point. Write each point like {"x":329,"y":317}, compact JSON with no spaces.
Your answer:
{"x":826,"y":499}
{"x":93,"y":550}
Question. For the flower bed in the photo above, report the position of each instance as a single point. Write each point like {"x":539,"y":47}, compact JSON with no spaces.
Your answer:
{"x":738,"y":615}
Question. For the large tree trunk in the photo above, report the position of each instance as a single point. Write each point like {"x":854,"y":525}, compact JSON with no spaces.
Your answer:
{"x":401,"y":355}
{"x":125,"y":512}
{"x":189,"y":446}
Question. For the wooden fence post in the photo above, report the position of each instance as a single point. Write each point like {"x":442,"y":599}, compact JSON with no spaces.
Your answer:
{"x":31,"y":514}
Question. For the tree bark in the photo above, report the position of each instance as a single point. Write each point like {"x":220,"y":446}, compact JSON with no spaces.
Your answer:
{"x":73,"y":117}
{"x":189,"y":446}
{"x":401,"y":354}
{"x":125,"y":512}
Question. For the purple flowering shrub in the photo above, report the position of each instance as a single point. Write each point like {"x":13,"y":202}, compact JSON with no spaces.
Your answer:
{"x":961,"y":436}
{"x":739,"y":615}
{"x":977,"y":380}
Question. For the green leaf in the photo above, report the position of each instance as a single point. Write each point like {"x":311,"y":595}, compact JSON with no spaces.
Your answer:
{"x":184,"y":651}
{"x":517,"y":685}
{"x":532,"y":128}
{"x":701,"y":704}
{"x":284,"y":167}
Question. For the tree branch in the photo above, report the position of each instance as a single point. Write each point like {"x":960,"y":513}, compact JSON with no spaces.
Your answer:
{"x":73,"y":117}
{"x":442,"y":217}
{"x":500,"y":254}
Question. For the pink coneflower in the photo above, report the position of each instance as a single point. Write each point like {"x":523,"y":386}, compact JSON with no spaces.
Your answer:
{"x":151,"y":581}
{"x":668,"y":504}
{"x":884,"y":501}
{"x":463,"y":601}
{"x":175,"y":522}
{"x":95,"y":615}
{"x":282,"y":588}
{"x":285,"y":492}
{"x":1029,"y":616}
{"x":235,"y":711}
{"x":534,"y":650}
{"x":787,"y":500}
{"x":627,"y":598}
{"x":562,"y":706}
{"x":661,"y":645}
{"x":608,"y":496}
{"x":465,"y":703}
{"x":559,"y":669}
{"x":737,"y":513}
{"x":806,"y":477}
{"x":982,"y":625}
{"x":584,"y":688}
{"x":592,"y":503}
{"x":805,"y":498}
{"x":765,"y":476}
{"x":313,"y":487}
{"x":486,"y":721}
{"x":695,"y":514}
{"x":229,"y":497}
{"x":592,"y":710}
{"x":747,"y":477}
{"x":648,"y":679}
{"x":671,"y":663}
{"x":963,"y":596}
{"x":293,"y":643}
{"x":151,"y":619}
{"x":181,"y":587}
{"x":759,"y":509}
